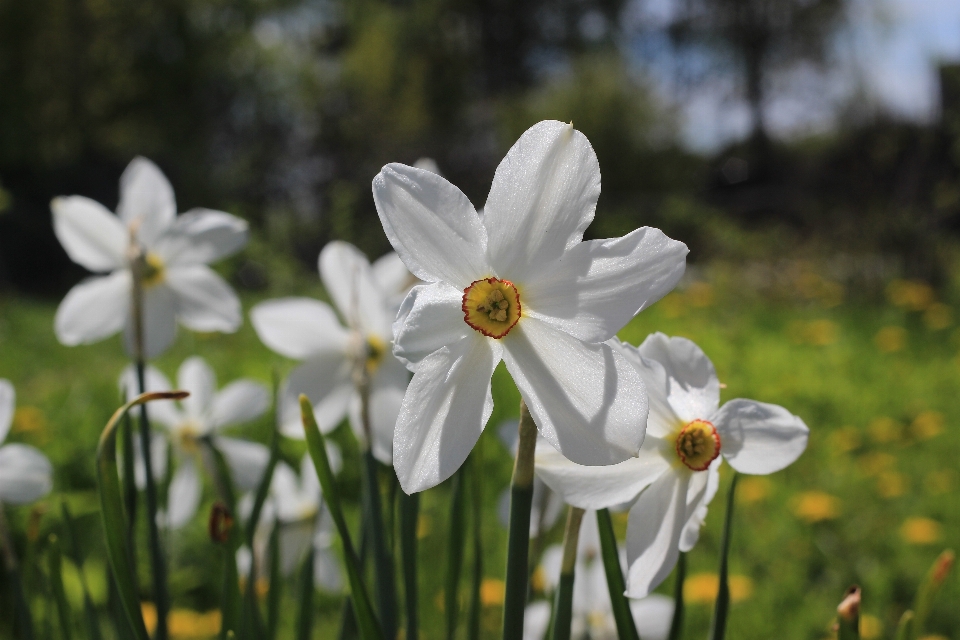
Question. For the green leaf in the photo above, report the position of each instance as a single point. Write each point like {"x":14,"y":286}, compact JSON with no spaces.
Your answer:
{"x":676,"y":625}
{"x":377,"y":531}
{"x":409,"y":515}
{"x":55,"y":568}
{"x":476,"y":604}
{"x":563,"y":600}
{"x":456,"y":542}
{"x":929,"y":589}
{"x":115,"y":525}
{"x":276,"y":583}
{"x":905,"y":628}
{"x":76,"y":553}
{"x":626,"y":628}
{"x":305,"y":612}
{"x":366,"y":618}
{"x":718,"y":626}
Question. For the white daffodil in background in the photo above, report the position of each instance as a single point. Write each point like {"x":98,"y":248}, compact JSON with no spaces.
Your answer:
{"x":337,"y":357}
{"x":25,"y":473}
{"x":203,"y":414}
{"x":518,"y":284}
{"x":676,"y":474}
{"x":175,"y":250}
{"x":592,"y":612}
{"x":296,"y":506}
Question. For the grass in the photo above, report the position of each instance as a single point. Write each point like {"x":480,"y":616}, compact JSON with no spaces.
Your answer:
{"x":872,"y":501}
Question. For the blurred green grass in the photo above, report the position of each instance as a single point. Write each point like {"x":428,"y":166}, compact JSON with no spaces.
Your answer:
{"x":872,"y":501}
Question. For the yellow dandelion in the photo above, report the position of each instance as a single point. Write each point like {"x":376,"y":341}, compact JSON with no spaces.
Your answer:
{"x":753,"y":489}
{"x":186,"y":624}
{"x":938,"y":316}
{"x":816,"y":506}
{"x":702,"y":588}
{"x":492,"y":592}
{"x":913,"y":295}
{"x":873,"y":464}
{"x":891,"y":484}
{"x":538,"y":581}
{"x":921,"y":531}
{"x":820,"y":333}
{"x":884,"y":430}
{"x":27,"y":419}
{"x":890,"y":339}
{"x":870,"y":627}
{"x":927,"y":424}
{"x":845,"y":439}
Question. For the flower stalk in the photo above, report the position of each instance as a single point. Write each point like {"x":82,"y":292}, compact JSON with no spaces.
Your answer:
{"x":24,"y":621}
{"x":563,"y":604}
{"x":676,"y":625}
{"x":718,"y":625}
{"x":409,"y":514}
{"x":626,"y":627}
{"x":521,"y":501}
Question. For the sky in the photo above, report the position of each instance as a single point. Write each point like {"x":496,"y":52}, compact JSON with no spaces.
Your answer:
{"x":885,"y":57}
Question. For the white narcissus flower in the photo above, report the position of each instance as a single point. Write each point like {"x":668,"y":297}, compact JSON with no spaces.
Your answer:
{"x":204,"y":413}
{"x":308,"y":330}
{"x":178,"y":284}
{"x":25,"y":473}
{"x":592,"y":613}
{"x":677,"y":472}
{"x":517,"y":284}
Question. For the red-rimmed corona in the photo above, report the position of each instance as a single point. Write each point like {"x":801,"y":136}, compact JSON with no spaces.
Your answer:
{"x":698,"y":444}
{"x":491,"y":306}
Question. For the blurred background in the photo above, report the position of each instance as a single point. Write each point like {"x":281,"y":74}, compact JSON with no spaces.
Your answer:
{"x":808,"y":152}
{"x":748,"y":128}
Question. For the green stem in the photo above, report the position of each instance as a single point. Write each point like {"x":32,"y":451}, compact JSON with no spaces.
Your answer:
{"x":563,"y":601}
{"x":382,"y":559}
{"x":476,"y":474}
{"x":55,"y":569}
{"x":456,"y":541}
{"x":718,"y":626}
{"x":24,"y":620}
{"x":409,"y":515}
{"x":305,"y":616}
{"x":276,"y":585}
{"x":626,"y":628}
{"x":76,"y":554}
{"x":518,"y":546}
{"x":676,"y":626}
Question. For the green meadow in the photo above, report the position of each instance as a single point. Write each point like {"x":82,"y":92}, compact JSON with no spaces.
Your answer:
{"x":872,"y":501}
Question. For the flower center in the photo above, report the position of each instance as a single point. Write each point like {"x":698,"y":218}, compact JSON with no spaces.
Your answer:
{"x":376,"y":349}
{"x":154,"y":271}
{"x":188,"y":437}
{"x":491,"y":306}
{"x":698,"y":444}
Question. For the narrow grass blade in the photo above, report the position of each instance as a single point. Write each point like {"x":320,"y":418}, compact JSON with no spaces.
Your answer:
{"x":456,"y":542}
{"x":227,"y":536}
{"x":676,"y":625}
{"x":626,"y":628}
{"x":518,"y":536}
{"x":386,"y":583}
{"x":409,"y":516}
{"x":76,"y":554}
{"x":563,"y":600}
{"x":112,"y":513}
{"x":929,"y":589}
{"x":905,"y":628}
{"x":718,"y":625}
{"x":366,"y":618}
{"x":848,"y":615}
{"x":476,"y":604}
{"x":305,"y":598}
{"x":276,"y":583}
{"x":129,"y":478}
{"x":55,"y":569}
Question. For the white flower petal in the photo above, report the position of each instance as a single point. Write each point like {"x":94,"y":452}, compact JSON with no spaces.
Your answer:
{"x":159,"y":321}
{"x":205,"y":302}
{"x":348,"y":280}
{"x":653,"y":616}
{"x":536,"y":620}
{"x":327,"y":573}
{"x":285,"y":489}
{"x":247,"y":460}
{"x":598,"y":487}
{"x":326,"y":381}
{"x":693,"y":386}
{"x":703,"y":488}
{"x":93,"y":237}
{"x":8,"y":400}
{"x":387,"y":387}
{"x":201,"y":236}
{"x":653,"y":533}
{"x":759,"y":438}
{"x":662,"y":420}
{"x":94,"y":309}
{"x":543,"y":196}
{"x":163,"y":411}
{"x":158,"y":459}
{"x":587,"y":400}
{"x":146,"y":199}
{"x":431,"y":225}
{"x":392,"y":276}
{"x":25,"y":474}
{"x":597,"y":287}
{"x":239,"y":401}
{"x":196,"y":376}
{"x":298,"y":327}
{"x":430,"y":317}
{"x":444,"y":412}
{"x":184,"y":495}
